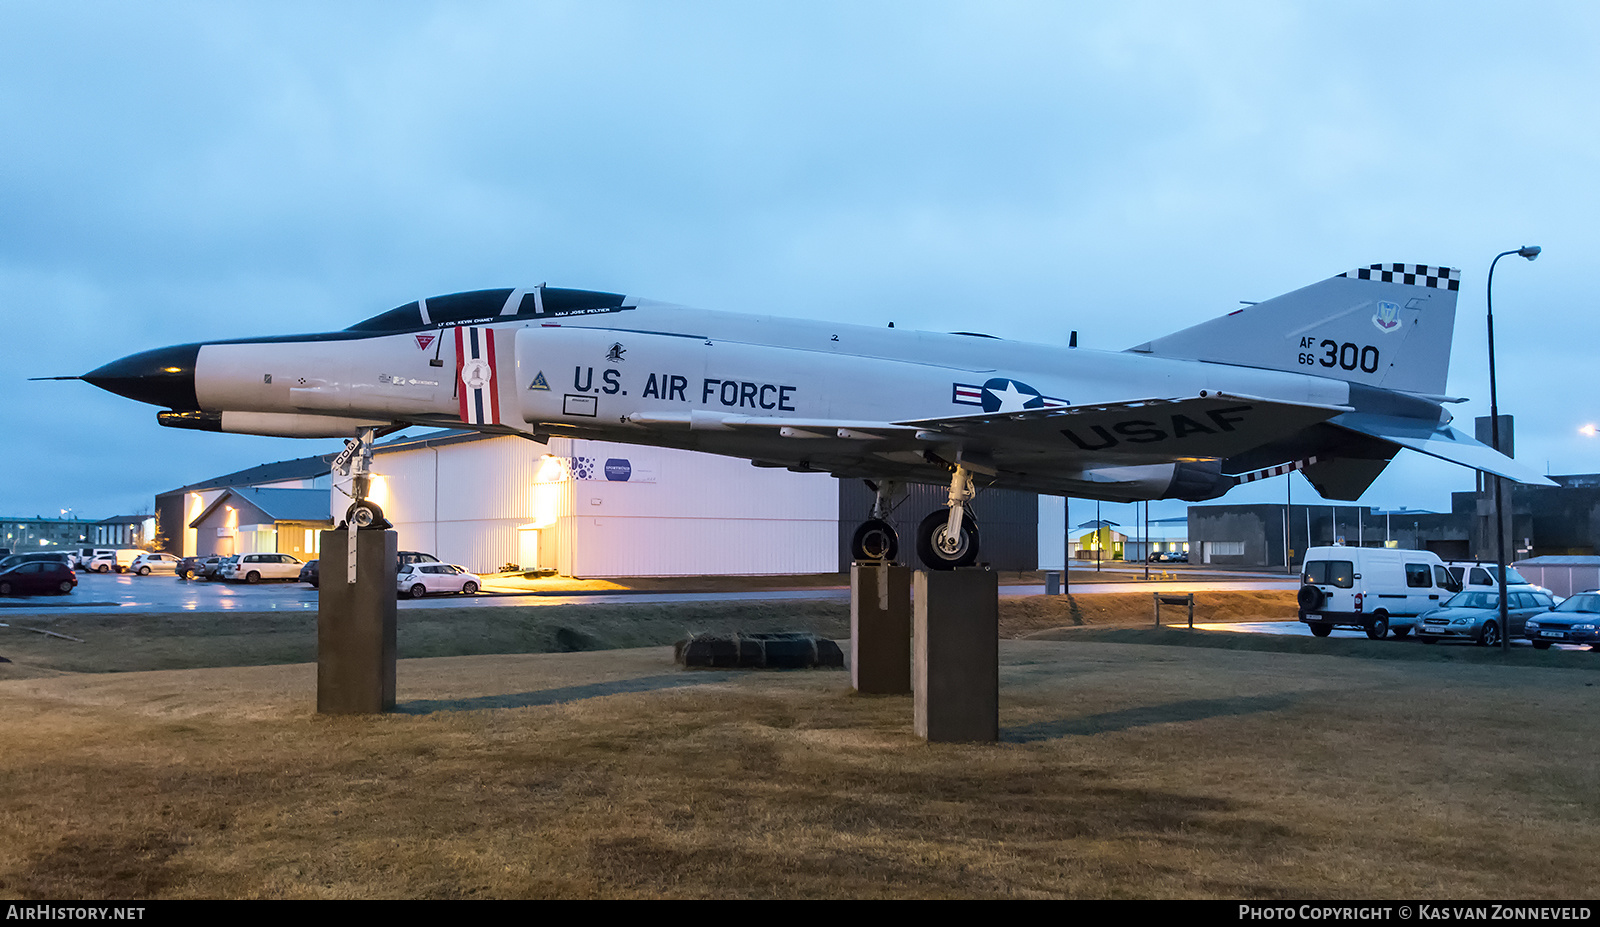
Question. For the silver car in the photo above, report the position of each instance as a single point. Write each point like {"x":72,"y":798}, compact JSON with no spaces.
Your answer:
{"x":1474,"y":615}
{"x":419,"y":579}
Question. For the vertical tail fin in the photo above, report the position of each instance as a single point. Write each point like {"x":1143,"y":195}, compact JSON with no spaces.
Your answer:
{"x":1387,"y":325}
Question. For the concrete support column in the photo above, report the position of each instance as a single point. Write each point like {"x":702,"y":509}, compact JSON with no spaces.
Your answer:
{"x":356,"y":624}
{"x":956,"y":667}
{"x":880,"y":628}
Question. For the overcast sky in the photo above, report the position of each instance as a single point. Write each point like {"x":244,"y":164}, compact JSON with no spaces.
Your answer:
{"x":180,"y":172}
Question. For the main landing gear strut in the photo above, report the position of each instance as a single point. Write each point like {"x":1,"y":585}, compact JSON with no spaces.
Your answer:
{"x":949,"y":539}
{"x":945,"y":539}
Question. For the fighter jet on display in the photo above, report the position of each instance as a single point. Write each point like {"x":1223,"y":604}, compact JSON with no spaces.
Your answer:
{"x":1334,"y":378}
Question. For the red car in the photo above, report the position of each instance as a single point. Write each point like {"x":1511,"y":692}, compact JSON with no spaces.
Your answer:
{"x":38,"y":576}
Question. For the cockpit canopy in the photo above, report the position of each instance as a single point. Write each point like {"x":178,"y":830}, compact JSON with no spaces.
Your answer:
{"x":481,"y":306}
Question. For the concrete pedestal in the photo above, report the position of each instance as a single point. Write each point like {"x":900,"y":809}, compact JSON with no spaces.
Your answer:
{"x":880,"y":628}
{"x":356,"y":624}
{"x":956,"y":663}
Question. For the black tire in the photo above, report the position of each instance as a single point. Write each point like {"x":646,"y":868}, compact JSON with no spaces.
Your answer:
{"x":1310,"y":598}
{"x":875,"y":539}
{"x":1380,"y":627}
{"x":1490,"y":635}
{"x":312,"y":582}
{"x":252,"y":577}
{"x":1426,"y":639}
{"x":470,"y":588}
{"x":144,"y":571}
{"x":102,"y":568}
{"x":1400,"y":632}
{"x":1321,"y":629}
{"x":65,"y":586}
{"x":932,"y":530}
{"x":418,"y":591}
{"x":5,"y":588}
{"x":1541,"y":645}
{"x":366,"y":515}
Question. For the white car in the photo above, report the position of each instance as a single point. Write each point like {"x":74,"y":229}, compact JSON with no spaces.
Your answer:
{"x":103,"y":561}
{"x":145,"y":564}
{"x":253,"y":568}
{"x":419,"y":579}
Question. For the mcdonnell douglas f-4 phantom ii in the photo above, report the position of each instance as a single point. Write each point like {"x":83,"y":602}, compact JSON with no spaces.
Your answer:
{"x":1334,"y":378}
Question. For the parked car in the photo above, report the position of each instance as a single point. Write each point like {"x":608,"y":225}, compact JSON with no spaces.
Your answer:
{"x":29,"y":577}
{"x":415,"y":556}
{"x":188,"y":566}
{"x":148,"y":563}
{"x":210,"y":568}
{"x":57,"y":556}
{"x":311,"y":573}
{"x":1475,"y":574}
{"x":420,"y":579}
{"x":1574,"y":621}
{"x":1474,"y":615}
{"x":103,"y":561}
{"x":253,"y":568}
{"x":1374,"y":589}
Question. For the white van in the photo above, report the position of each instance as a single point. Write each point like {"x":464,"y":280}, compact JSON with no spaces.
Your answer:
{"x":1375,"y":589}
{"x":125,"y":558}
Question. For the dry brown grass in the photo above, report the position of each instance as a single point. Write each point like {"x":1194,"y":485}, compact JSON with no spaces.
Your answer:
{"x":1127,"y":770}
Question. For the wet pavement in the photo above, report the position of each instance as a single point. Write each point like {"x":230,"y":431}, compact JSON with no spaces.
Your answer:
{"x":127,"y":593}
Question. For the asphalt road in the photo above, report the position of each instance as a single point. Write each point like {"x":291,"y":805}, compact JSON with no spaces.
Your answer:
{"x":126,"y":593}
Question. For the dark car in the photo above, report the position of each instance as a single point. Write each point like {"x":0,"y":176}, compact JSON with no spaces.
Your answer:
{"x":310,"y":573}
{"x":1575,"y":621}
{"x":1474,"y":615}
{"x":54,"y":556}
{"x":208,"y":568}
{"x":31,"y":577}
{"x":414,"y":556}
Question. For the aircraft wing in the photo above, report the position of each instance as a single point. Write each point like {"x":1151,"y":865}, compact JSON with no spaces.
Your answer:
{"x":1212,"y":426}
{"x":1443,"y":442}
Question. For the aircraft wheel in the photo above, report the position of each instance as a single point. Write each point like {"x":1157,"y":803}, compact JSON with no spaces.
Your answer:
{"x":875,"y":539}
{"x":470,"y":588}
{"x":365,"y":515}
{"x":418,"y":591}
{"x":1321,"y":629}
{"x":939,"y":551}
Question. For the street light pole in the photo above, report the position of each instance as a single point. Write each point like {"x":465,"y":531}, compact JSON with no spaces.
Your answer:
{"x":1530,"y":252}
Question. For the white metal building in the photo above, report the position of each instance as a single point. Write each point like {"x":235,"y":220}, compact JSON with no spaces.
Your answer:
{"x":592,"y":508}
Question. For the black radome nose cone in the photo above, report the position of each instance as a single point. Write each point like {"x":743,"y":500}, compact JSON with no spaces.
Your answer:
{"x":162,"y":377}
